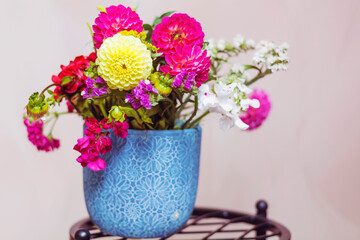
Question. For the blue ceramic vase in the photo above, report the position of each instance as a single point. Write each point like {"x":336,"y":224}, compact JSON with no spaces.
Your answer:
{"x":149,"y":186}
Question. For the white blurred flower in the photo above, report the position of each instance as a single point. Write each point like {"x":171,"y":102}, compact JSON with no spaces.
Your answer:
{"x":207,"y":99}
{"x":238,"y":68}
{"x":221,"y":45}
{"x":273,"y":57}
{"x":211,"y":48}
{"x":250,"y":43}
{"x":228,"y":97}
{"x":238,"y":40}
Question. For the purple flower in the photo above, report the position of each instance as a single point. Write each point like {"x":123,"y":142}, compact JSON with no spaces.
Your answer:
{"x":186,"y":78}
{"x":94,"y":88}
{"x":140,"y":95}
{"x":100,"y":80}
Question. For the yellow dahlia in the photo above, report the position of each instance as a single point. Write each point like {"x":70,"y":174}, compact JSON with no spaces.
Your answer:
{"x":123,"y":61}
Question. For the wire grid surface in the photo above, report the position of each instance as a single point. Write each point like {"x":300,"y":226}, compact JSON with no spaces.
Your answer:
{"x":211,"y":224}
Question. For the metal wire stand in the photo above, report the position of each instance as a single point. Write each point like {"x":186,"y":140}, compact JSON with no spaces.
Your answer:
{"x":214,"y":224}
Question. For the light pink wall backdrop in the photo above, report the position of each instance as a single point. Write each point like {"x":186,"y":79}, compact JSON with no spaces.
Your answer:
{"x":304,"y":160}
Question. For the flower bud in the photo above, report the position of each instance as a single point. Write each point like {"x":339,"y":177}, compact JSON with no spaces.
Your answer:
{"x":37,"y":106}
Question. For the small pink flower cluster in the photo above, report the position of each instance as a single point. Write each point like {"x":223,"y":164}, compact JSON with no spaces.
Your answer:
{"x":36,"y":137}
{"x":96,"y":142}
{"x":254,"y":117}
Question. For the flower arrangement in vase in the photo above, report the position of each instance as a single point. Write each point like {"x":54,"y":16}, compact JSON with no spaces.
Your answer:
{"x":142,"y":94}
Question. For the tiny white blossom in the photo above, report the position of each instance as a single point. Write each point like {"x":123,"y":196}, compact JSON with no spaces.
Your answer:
{"x":273,"y":57}
{"x":207,"y":99}
{"x":250,"y":43}
{"x":238,"y":68}
{"x":238,"y":40}
{"x":221,"y":45}
{"x":211,"y":48}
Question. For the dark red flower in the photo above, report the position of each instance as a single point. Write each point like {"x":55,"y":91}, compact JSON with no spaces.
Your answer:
{"x":121,"y":129}
{"x":104,"y":145}
{"x":105,"y":125}
{"x":93,"y":127}
{"x":72,"y":77}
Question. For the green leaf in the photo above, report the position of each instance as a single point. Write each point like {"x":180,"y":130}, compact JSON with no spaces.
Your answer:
{"x":162,"y":123}
{"x":135,"y":124}
{"x":167,"y":14}
{"x":130,"y":112}
{"x":66,"y":80}
{"x":160,"y":97}
{"x":205,"y":45}
{"x":149,"y":29}
{"x":153,"y":111}
{"x":51,"y":101}
{"x":157,"y":21}
{"x":156,"y":55}
{"x":50,"y":92}
{"x":143,"y":114}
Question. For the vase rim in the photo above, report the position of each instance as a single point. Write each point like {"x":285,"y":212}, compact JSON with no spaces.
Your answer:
{"x":170,"y":131}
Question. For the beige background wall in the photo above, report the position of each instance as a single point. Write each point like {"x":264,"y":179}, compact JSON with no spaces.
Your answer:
{"x":304,"y":160}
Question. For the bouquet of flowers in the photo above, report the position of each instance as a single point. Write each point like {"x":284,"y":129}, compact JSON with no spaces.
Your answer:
{"x":159,"y":76}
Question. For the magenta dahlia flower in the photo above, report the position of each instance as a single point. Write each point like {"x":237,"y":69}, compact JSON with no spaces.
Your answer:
{"x":114,"y":20}
{"x":189,"y":59}
{"x":177,"y":30}
{"x":254,"y":117}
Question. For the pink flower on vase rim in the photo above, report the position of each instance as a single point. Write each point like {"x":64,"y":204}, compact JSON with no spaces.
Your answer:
{"x":254,"y":117}
{"x":189,"y":59}
{"x":93,"y":127}
{"x":96,"y":142}
{"x":114,"y":20}
{"x":177,"y":30}
{"x":36,"y":137}
{"x":121,"y":129}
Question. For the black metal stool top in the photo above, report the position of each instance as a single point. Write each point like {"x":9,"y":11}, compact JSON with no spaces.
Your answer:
{"x":212,"y":224}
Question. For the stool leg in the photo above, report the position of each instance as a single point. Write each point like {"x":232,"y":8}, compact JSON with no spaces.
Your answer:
{"x":261,"y":207}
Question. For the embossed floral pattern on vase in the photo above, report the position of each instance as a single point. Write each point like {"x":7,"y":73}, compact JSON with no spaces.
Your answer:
{"x":149,"y":186}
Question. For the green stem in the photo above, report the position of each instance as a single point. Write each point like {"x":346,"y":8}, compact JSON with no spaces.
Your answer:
{"x":192,"y":115}
{"x":257,"y":77}
{"x":52,"y":127}
{"x":197,"y":120}
{"x":51,"y":85}
{"x":67,"y":96}
{"x":92,"y":36}
{"x":103,"y":110}
{"x":182,"y":106}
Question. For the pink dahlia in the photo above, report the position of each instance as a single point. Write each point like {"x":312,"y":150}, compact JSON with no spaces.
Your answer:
{"x":189,"y":59}
{"x":254,"y":117}
{"x":114,"y":20}
{"x":177,"y":30}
